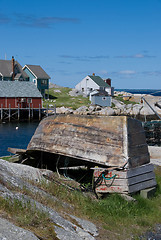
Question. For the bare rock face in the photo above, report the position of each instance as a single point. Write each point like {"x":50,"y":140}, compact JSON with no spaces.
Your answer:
{"x":136,"y":109}
{"x":21,"y":171}
{"x":64,"y":110}
{"x":81,"y":110}
{"x":108,"y":111}
{"x":74,"y":93}
{"x":11,"y":231}
{"x":18,"y":177}
{"x":146,"y":110}
{"x":118,"y":104}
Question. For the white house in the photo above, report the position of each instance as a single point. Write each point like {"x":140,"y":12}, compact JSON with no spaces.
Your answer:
{"x":92,"y":82}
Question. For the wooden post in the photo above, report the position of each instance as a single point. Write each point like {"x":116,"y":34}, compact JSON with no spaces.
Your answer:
{"x":32,"y":112}
{"x":9,"y":112}
{"x":18,"y":112}
{"x":39,"y":112}
{"x":1,"y":111}
{"x":29,"y":112}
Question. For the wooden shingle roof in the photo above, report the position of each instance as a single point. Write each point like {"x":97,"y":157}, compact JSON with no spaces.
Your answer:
{"x":6,"y":68}
{"x":37,"y":71}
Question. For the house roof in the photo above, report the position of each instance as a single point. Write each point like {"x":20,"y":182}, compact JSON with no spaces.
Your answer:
{"x":18,"y":89}
{"x":6,"y":68}
{"x":37,"y":71}
{"x":99,"y":81}
{"x":100,"y":93}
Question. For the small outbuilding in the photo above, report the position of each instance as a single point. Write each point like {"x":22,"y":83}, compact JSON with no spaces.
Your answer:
{"x":14,"y":94}
{"x":101,"y":98}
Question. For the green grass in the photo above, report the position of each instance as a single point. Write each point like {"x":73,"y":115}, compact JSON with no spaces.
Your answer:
{"x":120,"y":98}
{"x":27,"y":217}
{"x":63,"y":98}
{"x":12,"y":158}
{"x":7,"y":158}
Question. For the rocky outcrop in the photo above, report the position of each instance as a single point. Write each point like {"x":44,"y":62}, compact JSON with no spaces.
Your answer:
{"x":11,"y":231}
{"x":138,"y":110}
{"x":64,"y":110}
{"x":74,"y":93}
{"x":18,"y":177}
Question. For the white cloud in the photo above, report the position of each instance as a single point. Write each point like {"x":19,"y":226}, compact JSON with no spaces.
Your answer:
{"x":127,"y":72}
{"x":103,"y":72}
{"x":139,"y":56}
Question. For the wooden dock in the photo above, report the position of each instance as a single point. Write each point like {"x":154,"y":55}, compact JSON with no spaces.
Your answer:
{"x":30,"y":113}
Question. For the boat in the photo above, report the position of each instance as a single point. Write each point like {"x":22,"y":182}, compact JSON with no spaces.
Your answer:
{"x":113,"y":146}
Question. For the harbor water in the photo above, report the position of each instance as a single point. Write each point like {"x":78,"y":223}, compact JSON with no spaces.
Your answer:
{"x":154,"y":92}
{"x":15,"y":135}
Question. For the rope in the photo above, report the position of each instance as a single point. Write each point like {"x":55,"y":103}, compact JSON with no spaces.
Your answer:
{"x":66,"y":162}
{"x":108,"y":178}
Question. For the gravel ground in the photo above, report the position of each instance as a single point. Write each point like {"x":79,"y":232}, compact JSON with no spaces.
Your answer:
{"x":156,"y":235}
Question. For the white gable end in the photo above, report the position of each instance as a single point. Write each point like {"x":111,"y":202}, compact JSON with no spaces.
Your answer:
{"x":87,"y":85}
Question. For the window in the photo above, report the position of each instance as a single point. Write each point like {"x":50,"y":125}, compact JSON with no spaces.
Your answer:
{"x":29,"y":100}
{"x":34,"y":81}
{"x":82,"y":89}
{"x":23,"y":99}
{"x":104,"y":98}
{"x":44,"y":82}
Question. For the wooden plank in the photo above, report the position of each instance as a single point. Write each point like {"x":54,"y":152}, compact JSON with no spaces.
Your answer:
{"x":141,"y":178}
{"x":115,"y":182}
{"x":138,"y":150}
{"x":138,"y":138}
{"x":119,"y":174}
{"x":134,"y":126}
{"x":112,"y":189}
{"x":16,"y":150}
{"x":142,"y":185}
{"x":140,"y":170}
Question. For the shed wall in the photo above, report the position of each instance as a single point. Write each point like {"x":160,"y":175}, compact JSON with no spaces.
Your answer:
{"x":13,"y":103}
{"x":104,"y":101}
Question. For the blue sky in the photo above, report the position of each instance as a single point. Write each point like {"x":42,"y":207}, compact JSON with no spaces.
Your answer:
{"x":119,"y":39}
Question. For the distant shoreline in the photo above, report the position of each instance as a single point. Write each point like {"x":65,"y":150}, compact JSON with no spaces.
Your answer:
{"x":154,"y":92}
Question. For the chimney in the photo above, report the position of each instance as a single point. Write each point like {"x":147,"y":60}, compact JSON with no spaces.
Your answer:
{"x":13,"y":68}
{"x":108,"y":81}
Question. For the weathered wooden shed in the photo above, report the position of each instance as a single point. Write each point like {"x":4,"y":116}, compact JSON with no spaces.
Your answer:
{"x":114,"y":146}
{"x":100,"y":98}
{"x":14,"y":94}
